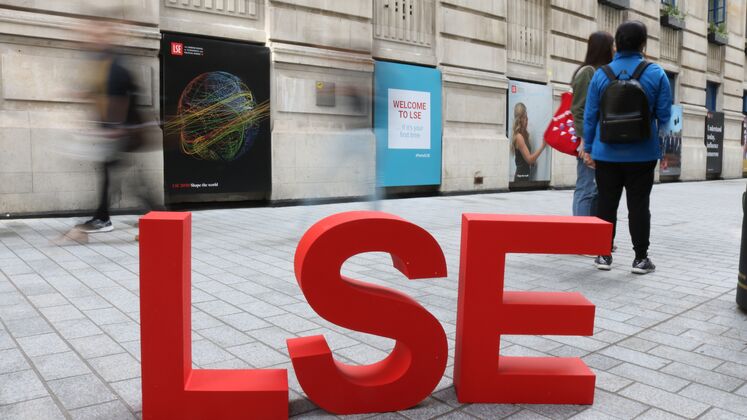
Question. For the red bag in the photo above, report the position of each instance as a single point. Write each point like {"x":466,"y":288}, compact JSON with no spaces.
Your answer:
{"x":561,"y":133}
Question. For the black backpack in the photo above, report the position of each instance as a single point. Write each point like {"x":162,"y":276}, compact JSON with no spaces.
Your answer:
{"x":625,"y":115}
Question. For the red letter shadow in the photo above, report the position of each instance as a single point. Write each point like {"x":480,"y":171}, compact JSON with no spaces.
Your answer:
{"x":485,"y":311}
{"x":415,"y":366}
{"x":171,"y":388}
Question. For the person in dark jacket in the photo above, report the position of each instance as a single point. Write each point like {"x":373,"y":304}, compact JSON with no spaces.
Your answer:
{"x":599,"y":51}
{"x":627,"y":165}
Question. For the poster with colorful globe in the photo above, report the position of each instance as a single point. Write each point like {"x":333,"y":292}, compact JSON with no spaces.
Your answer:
{"x":216,"y":114}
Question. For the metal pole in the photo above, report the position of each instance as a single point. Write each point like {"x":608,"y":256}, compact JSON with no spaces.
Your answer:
{"x":742,"y":279}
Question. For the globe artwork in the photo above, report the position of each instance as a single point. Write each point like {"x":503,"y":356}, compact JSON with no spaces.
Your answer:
{"x":217,"y":117}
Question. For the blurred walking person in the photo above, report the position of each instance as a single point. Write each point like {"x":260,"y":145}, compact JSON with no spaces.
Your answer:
{"x":626,"y":103}
{"x":599,"y":51}
{"x":113,"y":96}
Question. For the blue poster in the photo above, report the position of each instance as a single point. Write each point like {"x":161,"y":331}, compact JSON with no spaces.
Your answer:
{"x":670,"y":137}
{"x":407,"y":123}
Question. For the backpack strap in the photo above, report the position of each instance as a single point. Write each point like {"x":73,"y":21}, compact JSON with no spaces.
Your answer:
{"x":642,"y":66}
{"x":608,"y":71}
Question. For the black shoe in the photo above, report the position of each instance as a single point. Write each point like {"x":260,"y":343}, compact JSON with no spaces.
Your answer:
{"x":96,"y":226}
{"x":643,"y":266}
{"x":603,"y":262}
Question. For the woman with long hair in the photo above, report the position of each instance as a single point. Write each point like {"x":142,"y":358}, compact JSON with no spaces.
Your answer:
{"x":599,"y":51}
{"x":522,"y":147}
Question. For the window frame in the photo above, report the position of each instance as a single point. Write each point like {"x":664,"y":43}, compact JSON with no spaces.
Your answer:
{"x":716,"y":10}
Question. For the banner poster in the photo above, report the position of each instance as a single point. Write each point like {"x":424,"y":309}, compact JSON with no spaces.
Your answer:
{"x":216,"y":113}
{"x":407,"y":123}
{"x":744,"y":146}
{"x":529,"y":113}
{"x":670,"y":137}
{"x":714,"y":142}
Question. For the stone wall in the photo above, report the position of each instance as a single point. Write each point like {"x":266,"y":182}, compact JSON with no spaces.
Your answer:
{"x":43,"y":68}
{"x":329,"y":151}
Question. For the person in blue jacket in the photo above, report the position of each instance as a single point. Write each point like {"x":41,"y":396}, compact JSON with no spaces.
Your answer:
{"x":629,"y":165}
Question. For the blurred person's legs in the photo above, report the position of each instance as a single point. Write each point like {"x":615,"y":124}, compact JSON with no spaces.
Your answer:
{"x":610,"y":178}
{"x":101,"y":221}
{"x":639,"y":180}
{"x":585,"y":194}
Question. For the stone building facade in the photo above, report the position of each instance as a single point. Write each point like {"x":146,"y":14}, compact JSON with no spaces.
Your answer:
{"x":329,"y":152}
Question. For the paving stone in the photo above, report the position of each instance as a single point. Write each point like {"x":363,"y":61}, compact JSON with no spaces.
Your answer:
{"x":60,"y":365}
{"x":113,"y":410}
{"x":77,"y":328}
{"x":667,"y":401}
{"x":225,"y":336}
{"x":244,"y":322}
{"x":11,"y":360}
{"x":703,"y":376}
{"x":41,"y":408}
{"x":727,"y":401}
{"x":649,"y":377}
{"x":131,"y":392}
{"x":39,"y":345}
{"x":204,"y":353}
{"x":635,"y":357}
{"x":258,"y":355}
{"x":47,"y":300}
{"x":107,"y":316}
{"x":96,"y":346}
{"x":20,"y":386}
{"x":80,"y":391}
{"x":116,"y":367}
{"x":719,"y":414}
{"x":656,"y":414}
{"x":686,"y":357}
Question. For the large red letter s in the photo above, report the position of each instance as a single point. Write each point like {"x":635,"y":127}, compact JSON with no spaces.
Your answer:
{"x":415,"y":366}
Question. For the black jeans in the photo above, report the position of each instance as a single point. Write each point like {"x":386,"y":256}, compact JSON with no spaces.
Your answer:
{"x":637,"y":178}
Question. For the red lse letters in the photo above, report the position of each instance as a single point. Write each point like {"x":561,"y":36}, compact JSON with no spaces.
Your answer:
{"x":172,"y":389}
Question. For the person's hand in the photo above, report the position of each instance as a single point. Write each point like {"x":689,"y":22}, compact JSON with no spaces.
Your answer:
{"x":588,"y":161}
{"x":580,"y":150}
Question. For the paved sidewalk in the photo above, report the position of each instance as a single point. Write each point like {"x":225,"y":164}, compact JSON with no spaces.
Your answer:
{"x":668,"y":345}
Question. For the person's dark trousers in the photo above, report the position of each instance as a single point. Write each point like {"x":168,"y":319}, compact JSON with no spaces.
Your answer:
{"x":637,"y":178}
{"x":102,"y":213}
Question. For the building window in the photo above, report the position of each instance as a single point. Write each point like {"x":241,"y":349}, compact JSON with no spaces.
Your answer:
{"x":672,"y":77}
{"x":526,"y":32}
{"x":744,"y":102}
{"x":404,"y":21}
{"x":711,"y":95}
{"x":716,"y":11}
{"x":669,"y":2}
{"x":609,"y":18}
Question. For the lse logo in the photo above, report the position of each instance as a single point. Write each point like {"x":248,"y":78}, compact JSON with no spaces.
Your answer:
{"x":514,"y":89}
{"x":173,"y":389}
{"x":177,"y":48}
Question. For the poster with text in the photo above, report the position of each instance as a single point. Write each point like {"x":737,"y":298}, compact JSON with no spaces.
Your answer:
{"x":529,"y":113}
{"x":407,"y":123}
{"x":714,"y":142}
{"x":216,"y":113}
{"x":670,"y":137}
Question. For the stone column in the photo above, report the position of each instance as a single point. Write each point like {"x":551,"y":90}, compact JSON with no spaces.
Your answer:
{"x":692,"y":90}
{"x":472,"y":57}
{"x":321,"y":149}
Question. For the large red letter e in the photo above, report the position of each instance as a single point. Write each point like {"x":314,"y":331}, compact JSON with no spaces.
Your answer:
{"x":415,"y":366}
{"x":485,"y":311}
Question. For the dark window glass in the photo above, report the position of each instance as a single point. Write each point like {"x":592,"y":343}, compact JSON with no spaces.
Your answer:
{"x":716,"y":11}
{"x":711,"y":95}
{"x":672,"y":84}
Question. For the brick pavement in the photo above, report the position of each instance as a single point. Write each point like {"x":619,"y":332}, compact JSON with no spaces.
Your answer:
{"x":667,"y":345}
